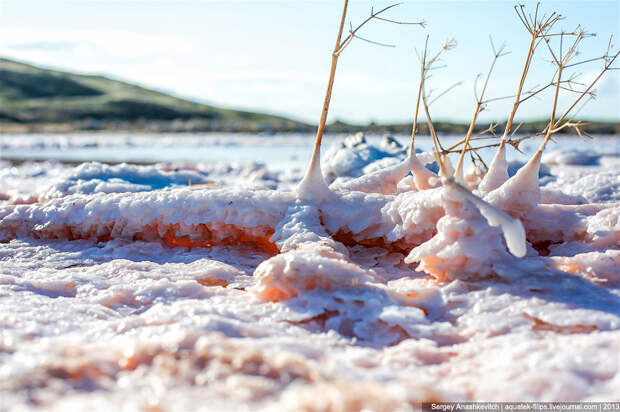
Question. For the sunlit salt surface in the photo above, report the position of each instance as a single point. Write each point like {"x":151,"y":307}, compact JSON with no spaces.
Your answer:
{"x":199,"y":282}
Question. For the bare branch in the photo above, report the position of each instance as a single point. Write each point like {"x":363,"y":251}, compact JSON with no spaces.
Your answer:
{"x":516,"y":129}
{"x":419,"y":23}
{"x":373,"y":42}
{"x":352,"y":31}
{"x":537,"y":30}
{"x":458,"y":173}
{"x":445,"y":92}
{"x":427,"y":65}
{"x":414,"y":128}
{"x":521,"y":14}
{"x":476,"y":86}
{"x":608,"y":64}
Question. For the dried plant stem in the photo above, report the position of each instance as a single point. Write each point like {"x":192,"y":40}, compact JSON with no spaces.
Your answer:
{"x":479,"y":136}
{"x":458,"y":173}
{"x":609,"y":61}
{"x":316,"y":154}
{"x":517,"y":101}
{"x":536,"y":30}
{"x":414,"y":129}
{"x":373,"y":15}
{"x":553,"y":110}
{"x":422,"y":95}
{"x":426,"y":65}
{"x":562,"y":62}
{"x":314,"y":171}
{"x":431,"y":128}
{"x":561,"y":123}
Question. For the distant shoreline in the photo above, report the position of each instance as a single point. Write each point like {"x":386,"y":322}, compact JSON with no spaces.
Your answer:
{"x":199,"y":126}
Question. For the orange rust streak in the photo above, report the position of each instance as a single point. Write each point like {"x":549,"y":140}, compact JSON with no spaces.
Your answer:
{"x":275,"y":294}
{"x":70,"y":286}
{"x":212,"y":281}
{"x":540,"y":324}
{"x":346,"y":238}
{"x":429,"y":263}
{"x":128,"y":363}
{"x":204,"y":236}
{"x":574,"y":268}
{"x":206,"y":240}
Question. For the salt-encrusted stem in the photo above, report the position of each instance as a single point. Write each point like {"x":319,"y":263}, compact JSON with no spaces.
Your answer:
{"x":498,"y":170}
{"x":521,"y":193}
{"x":529,"y":172}
{"x":497,"y":173}
{"x":313,"y":184}
{"x":385,"y":180}
{"x":513,"y":230}
{"x":526,"y":179}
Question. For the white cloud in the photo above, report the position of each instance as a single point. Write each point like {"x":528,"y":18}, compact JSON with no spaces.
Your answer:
{"x":89,"y":44}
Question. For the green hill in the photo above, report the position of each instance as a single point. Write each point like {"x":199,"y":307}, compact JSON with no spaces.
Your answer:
{"x":37,"y":99}
{"x":33,"y":99}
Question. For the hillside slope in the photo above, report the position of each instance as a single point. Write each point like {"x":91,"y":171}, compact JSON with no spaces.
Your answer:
{"x":33,"y":99}
{"x":34,"y":96}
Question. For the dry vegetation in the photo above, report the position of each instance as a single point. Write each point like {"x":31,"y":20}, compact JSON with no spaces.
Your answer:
{"x":563,"y":79}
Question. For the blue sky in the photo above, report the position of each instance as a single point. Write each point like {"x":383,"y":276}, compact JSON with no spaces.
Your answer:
{"x":273,"y":56}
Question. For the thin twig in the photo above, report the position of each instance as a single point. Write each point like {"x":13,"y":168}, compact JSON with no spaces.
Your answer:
{"x":357,"y":36}
{"x":445,"y":92}
{"x":352,"y":31}
{"x":458,"y":173}
{"x":419,"y":23}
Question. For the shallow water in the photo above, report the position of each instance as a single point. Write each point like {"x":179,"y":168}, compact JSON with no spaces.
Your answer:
{"x":279,"y":152}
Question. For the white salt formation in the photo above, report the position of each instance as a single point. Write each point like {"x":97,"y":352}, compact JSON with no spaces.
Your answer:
{"x":125,"y":287}
{"x":455,"y":250}
{"x":497,"y":173}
